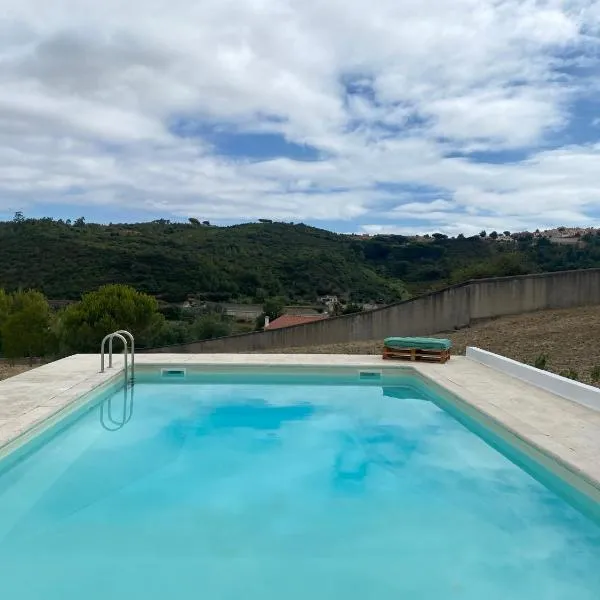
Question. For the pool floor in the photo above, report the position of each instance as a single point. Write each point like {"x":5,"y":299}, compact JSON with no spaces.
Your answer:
{"x":284,"y":491}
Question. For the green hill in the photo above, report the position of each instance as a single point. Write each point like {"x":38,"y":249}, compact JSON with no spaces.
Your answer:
{"x":175,"y":260}
{"x":254,"y":261}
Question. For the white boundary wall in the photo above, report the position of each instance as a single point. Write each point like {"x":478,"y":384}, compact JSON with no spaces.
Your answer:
{"x":561,"y":386}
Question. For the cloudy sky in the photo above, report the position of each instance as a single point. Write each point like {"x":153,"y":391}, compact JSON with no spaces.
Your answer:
{"x":354,"y":115}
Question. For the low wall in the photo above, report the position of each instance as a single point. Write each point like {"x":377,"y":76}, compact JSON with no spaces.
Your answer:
{"x":452,"y":308}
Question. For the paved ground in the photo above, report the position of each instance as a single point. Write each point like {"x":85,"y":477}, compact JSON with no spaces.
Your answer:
{"x":569,"y":338}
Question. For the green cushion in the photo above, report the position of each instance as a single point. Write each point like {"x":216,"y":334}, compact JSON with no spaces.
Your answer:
{"x":418,"y":342}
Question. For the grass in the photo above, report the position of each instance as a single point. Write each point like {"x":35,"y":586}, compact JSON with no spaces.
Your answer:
{"x":567,"y":339}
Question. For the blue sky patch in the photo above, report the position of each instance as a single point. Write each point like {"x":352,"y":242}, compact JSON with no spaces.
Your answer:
{"x":227,"y":141}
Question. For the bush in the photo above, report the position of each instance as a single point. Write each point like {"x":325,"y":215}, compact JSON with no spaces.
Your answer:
{"x":209,"y":327}
{"x":259,"y":323}
{"x":352,"y":308}
{"x":541,"y":362}
{"x":273,"y":308}
{"x":169,"y":333}
{"x":25,"y":325}
{"x":83,"y":324}
{"x":595,"y":374}
{"x":570,"y":374}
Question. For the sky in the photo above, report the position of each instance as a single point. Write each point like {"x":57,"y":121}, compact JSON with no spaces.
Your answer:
{"x":379,"y":116}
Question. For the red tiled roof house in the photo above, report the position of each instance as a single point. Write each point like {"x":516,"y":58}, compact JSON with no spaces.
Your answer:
{"x":290,"y":320}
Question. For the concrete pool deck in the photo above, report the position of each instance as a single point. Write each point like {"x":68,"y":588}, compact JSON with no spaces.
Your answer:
{"x":563,"y":430}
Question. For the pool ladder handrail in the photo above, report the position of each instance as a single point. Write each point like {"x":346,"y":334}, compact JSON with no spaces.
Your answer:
{"x":119,"y":334}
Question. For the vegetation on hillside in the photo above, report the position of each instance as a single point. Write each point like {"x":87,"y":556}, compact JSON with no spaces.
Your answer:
{"x":259,"y":261}
{"x":270,"y":263}
{"x":173,"y":261}
{"x":429,"y":264}
{"x":29,"y":328}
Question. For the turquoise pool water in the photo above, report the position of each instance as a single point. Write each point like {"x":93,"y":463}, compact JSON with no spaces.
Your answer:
{"x":260,"y":491}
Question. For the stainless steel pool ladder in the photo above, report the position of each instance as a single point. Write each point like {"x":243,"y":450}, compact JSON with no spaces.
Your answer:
{"x":109,"y":338}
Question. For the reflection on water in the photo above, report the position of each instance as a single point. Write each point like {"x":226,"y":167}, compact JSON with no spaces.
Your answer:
{"x":284,"y":491}
{"x":257,"y":414}
{"x":116,"y":411}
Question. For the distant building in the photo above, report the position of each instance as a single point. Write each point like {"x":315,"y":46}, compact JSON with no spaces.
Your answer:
{"x":57,"y":304}
{"x":247,"y":312}
{"x":562,"y":235}
{"x":371,"y":306}
{"x":301,"y":311}
{"x":291,"y":320}
{"x":565,"y":241}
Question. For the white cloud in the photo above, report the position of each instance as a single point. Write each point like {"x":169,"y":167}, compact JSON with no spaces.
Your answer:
{"x":89,"y":91}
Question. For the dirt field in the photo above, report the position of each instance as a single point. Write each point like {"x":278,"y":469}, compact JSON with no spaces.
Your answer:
{"x":7,"y":370}
{"x":570,"y":339}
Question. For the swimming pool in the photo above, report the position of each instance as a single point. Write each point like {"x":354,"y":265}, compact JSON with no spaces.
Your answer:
{"x":258,"y":486}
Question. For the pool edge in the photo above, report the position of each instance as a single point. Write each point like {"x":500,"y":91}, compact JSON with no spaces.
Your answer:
{"x":10,"y":451}
{"x":570,"y":474}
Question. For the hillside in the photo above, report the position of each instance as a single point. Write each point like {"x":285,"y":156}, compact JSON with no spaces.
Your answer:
{"x":251,"y":262}
{"x":175,"y":260}
{"x":564,"y":336}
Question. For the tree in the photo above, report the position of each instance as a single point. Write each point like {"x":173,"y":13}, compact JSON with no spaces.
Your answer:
{"x":494,"y":235}
{"x":260,"y":294}
{"x":210,"y":326}
{"x":352,"y":308}
{"x":112,"y":307}
{"x":507,"y":233}
{"x":194,"y":221}
{"x":26,"y":327}
{"x":5,"y":303}
{"x":18,"y":218}
{"x":482,"y":234}
{"x":273,"y":308}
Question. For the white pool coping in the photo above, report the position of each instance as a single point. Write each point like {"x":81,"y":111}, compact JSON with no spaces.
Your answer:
{"x":575,"y":391}
{"x":563,"y":430}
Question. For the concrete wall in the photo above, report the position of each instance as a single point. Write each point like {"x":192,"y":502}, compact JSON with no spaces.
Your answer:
{"x":452,"y":308}
{"x":515,"y":295}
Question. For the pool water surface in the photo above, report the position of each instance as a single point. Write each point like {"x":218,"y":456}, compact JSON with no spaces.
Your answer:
{"x":256,"y":490}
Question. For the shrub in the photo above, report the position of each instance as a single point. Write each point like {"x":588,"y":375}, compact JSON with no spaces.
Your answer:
{"x":25,"y":325}
{"x":570,"y":374}
{"x":83,"y":325}
{"x":595,"y":374}
{"x":209,"y":327}
{"x":541,"y":362}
